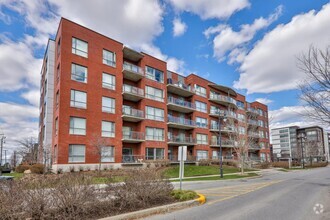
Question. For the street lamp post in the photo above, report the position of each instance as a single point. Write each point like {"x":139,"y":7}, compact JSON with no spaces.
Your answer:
{"x":302,"y":137}
{"x":222,"y":117}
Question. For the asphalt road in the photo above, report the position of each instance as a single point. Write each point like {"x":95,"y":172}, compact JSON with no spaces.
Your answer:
{"x":301,"y":195}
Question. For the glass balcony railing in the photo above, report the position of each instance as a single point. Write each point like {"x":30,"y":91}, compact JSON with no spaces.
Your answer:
{"x":133,"y":112}
{"x":133,"y":68}
{"x":179,"y":84}
{"x":253,"y":122}
{"x":181,"y":102}
{"x":133,"y":135}
{"x":252,"y":110}
{"x":133,"y":90}
{"x":253,"y":134}
{"x":181,"y":121}
{"x":182,"y":139}
{"x":215,"y":142}
{"x":222,"y":98}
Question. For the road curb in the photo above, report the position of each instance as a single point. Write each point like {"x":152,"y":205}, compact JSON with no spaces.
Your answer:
{"x":158,"y":210}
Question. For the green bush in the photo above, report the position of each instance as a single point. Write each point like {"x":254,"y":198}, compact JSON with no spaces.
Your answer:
{"x":21,"y":168}
{"x":37,"y":168}
{"x":183,"y":195}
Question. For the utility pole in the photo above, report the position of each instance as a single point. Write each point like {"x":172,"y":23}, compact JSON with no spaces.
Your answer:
{"x":5,"y":156}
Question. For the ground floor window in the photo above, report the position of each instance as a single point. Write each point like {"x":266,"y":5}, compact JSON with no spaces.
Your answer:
{"x":108,"y":154}
{"x":76,"y":153}
{"x":215,"y":154}
{"x":262,"y":157}
{"x":155,"y":153}
{"x":202,"y":154}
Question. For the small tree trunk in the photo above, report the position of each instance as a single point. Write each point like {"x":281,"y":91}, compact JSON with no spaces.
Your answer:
{"x":242,"y":166}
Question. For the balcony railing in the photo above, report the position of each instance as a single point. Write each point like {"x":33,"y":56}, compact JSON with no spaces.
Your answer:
{"x":253,"y":134}
{"x":254,"y":147}
{"x":133,"y":90}
{"x":181,"y":139}
{"x":252,"y":110}
{"x":133,"y":112}
{"x":222,"y":98}
{"x":133,"y":68}
{"x":231,"y":114}
{"x":223,"y":142}
{"x":181,"y":121}
{"x":181,"y":103}
{"x":179,"y":84}
{"x":174,"y":158}
{"x":253,"y":122}
{"x":132,"y":158}
{"x":134,"y":135}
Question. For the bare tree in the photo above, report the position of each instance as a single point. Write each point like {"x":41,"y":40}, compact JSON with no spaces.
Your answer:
{"x":28,"y":150}
{"x":315,"y":89}
{"x":99,"y":145}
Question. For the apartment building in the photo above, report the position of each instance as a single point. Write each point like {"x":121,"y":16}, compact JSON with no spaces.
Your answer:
{"x":117,"y":105}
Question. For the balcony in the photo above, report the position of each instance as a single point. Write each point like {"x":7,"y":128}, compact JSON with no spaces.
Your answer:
{"x":181,"y":140}
{"x":252,"y":111}
{"x":132,"y":159}
{"x":223,"y":100}
{"x":133,"y":137}
{"x":224,"y":143}
{"x":179,"y":88}
{"x":132,"y":72}
{"x":228,"y":129}
{"x":132,"y":55}
{"x":132,"y":93}
{"x":180,"y":105}
{"x":180,"y":123}
{"x":253,"y":135}
{"x":229,"y":114}
{"x":254,"y":147}
{"x":132,"y":115}
{"x":253,"y":123}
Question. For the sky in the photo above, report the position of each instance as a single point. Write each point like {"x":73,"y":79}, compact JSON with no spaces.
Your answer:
{"x":250,"y":45}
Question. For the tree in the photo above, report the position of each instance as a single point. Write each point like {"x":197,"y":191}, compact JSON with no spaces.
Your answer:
{"x":99,"y":144}
{"x":28,"y":150}
{"x":315,"y":89}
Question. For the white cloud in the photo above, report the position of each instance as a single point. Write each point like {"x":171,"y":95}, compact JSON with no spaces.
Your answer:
{"x":264,"y":100}
{"x":271,"y":65}
{"x":232,"y":42}
{"x":179,"y":27}
{"x":206,"y":9}
{"x":32,"y":96}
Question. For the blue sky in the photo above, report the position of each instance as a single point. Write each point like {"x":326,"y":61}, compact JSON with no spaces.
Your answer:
{"x":249,"y":45}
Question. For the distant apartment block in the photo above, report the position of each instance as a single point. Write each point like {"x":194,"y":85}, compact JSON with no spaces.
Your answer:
{"x":102,"y":95}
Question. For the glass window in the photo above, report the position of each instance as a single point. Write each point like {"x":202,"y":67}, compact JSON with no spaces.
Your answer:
{"x":108,"y":129}
{"x":78,"y":99}
{"x":201,"y":138}
{"x":56,"y":126}
{"x":58,"y":47}
{"x":108,"y":105}
{"x":240,"y":104}
{"x":78,"y":73}
{"x":155,"y":153}
{"x":241,"y":130}
{"x":155,"y":94}
{"x":202,"y":154}
{"x":262,"y":134}
{"x":201,"y":122}
{"x":108,"y":81}
{"x":200,"y":90}
{"x":79,"y":47}
{"x":154,"y":74}
{"x":77,"y":126}
{"x":156,"y":134}
{"x":154,"y":113}
{"x":57,"y":98}
{"x":241,"y":117}
{"x":108,"y":154}
{"x":76,"y":153}
{"x":109,"y":58}
{"x":201,"y":106}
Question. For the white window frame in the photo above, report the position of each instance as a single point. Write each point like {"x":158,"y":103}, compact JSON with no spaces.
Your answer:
{"x":201,"y":122}
{"x":107,"y":129}
{"x":107,"y":154}
{"x":154,"y":154}
{"x":200,"y":90}
{"x":111,"y":108}
{"x":112,"y":82}
{"x":74,"y":102}
{"x":105,"y":58}
{"x":74,"y":121}
{"x":199,"y":105}
{"x":150,"y":93}
{"x":202,"y":154}
{"x":202,"y":138}
{"x":77,"y":157}
{"x":76,"y":43}
{"x":75,"y":76}
{"x":152,"y":113}
{"x":151,"y":74}
{"x":155,"y":134}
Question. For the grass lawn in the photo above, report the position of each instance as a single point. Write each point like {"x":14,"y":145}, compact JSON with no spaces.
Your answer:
{"x":192,"y":170}
{"x":228,"y":177}
{"x":105,"y":180}
{"x":15,"y":175}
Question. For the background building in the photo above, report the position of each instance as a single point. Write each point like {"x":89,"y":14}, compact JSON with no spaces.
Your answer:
{"x":117,"y":105}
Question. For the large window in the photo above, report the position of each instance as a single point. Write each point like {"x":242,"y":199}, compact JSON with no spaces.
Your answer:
{"x":108,"y":129}
{"x":56,"y":126}
{"x":201,"y":122}
{"x":109,"y":58}
{"x":200,"y":90}
{"x":155,"y":153}
{"x":241,"y":117}
{"x":78,"y":99}
{"x":76,"y":153}
{"x":155,"y":94}
{"x":108,"y":105}
{"x":78,"y":73}
{"x":107,"y":154}
{"x":77,"y":126}
{"x":201,"y":106}
{"x":154,"y":113}
{"x":156,"y":134}
{"x":79,"y":47}
{"x":201,"y":138}
{"x":202,"y":154}
{"x":240,"y":104}
{"x":241,"y":130}
{"x":108,"y":81}
{"x":154,"y":74}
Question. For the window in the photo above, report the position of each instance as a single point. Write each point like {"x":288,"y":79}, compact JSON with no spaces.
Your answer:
{"x":57,"y":98}
{"x":201,"y":106}
{"x":261,"y":134}
{"x":261,"y":123}
{"x":109,"y":58}
{"x":214,"y":125}
{"x":260,"y":112}
{"x":58,"y":73}
{"x":202,"y":154}
{"x":108,"y":81}
{"x":154,"y":74}
{"x":169,"y":75}
{"x":55,"y":154}
{"x":154,"y":113}
{"x":156,"y":134}
{"x":155,"y":94}
{"x":201,"y":122}
{"x":77,"y":126}
{"x":108,"y":129}
{"x":240,"y":104}
{"x":241,"y":130}
{"x":78,"y":73}
{"x":78,"y":99}
{"x":214,"y":110}
{"x":107,"y":154}
{"x":59,"y":47}
{"x":155,"y":153}
{"x":108,"y":105}
{"x":79,"y":47}
{"x":241,"y":117}
{"x":201,"y":138}
{"x":200,"y":90}
{"x":56,"y":126}
{"x":76,"y":153}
